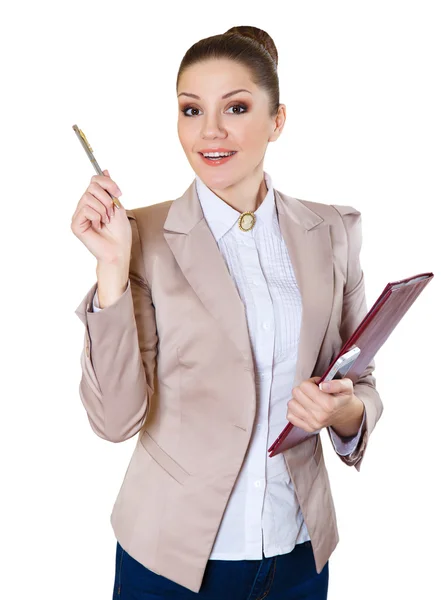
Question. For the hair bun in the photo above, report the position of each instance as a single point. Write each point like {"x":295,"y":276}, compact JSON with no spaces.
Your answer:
{"x":258,"y":35}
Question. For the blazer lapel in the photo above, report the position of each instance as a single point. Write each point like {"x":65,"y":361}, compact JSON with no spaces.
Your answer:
{"x":198,"y":256}
{"x":307,"y":238}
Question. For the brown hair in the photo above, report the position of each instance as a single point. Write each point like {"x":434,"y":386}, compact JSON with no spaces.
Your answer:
{"x":249,"y":46}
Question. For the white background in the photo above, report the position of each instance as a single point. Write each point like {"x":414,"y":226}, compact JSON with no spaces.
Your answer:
{"x":364,"y":84}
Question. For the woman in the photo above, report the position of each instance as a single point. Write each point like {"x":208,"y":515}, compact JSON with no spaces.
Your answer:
{"x":210,"y":321}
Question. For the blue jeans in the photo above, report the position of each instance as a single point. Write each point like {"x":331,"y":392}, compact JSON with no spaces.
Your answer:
{"x":289,"y":576}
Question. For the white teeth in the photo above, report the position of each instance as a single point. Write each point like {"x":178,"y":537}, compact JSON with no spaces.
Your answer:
{"x":215,"y":154}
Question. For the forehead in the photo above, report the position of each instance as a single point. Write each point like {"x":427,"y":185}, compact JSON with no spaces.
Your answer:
{"x":215,"y":76}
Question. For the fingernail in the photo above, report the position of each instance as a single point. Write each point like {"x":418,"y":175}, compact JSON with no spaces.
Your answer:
{"x":324,"y":387}
{"x":119,"y":191}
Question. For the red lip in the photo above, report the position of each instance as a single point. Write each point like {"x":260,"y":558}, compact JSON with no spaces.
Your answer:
{"x":217,"y":162}
{"x":216,"y":150}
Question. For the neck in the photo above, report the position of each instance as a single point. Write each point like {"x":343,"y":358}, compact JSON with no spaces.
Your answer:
{"x":245,"y":195}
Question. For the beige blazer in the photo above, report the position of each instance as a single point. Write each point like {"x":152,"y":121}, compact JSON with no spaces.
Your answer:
{"x":171,"y":360}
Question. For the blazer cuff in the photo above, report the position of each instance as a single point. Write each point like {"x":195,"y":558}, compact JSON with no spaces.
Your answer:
{"x":346,"y":445}
{"x":95,"y":301}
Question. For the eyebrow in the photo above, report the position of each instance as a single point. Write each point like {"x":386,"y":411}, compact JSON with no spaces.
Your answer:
{"x":222,"y":97}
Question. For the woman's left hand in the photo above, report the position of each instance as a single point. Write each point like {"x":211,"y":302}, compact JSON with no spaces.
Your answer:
{"x":312,"y":409}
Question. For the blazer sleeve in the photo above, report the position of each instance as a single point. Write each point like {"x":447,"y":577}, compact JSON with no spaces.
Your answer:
{"x":354,"y":309}
{"x":119,"y":354}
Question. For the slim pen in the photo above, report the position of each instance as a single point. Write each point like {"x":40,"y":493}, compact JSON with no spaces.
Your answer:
{"x":85,"y":144}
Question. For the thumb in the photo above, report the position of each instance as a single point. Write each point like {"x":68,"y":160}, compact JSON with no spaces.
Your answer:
{"x":106,"y":172}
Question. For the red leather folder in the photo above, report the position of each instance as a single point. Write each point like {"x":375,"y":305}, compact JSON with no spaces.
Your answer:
{"x":369,"y":336}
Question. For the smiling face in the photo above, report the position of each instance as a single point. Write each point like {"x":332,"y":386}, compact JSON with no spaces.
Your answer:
{"x":237,"y":122}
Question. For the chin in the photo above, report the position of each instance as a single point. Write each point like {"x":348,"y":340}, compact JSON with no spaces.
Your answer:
{"x":218,"y":180}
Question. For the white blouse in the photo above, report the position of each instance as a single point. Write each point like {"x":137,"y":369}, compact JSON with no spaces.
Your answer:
{"x":262,"y":516}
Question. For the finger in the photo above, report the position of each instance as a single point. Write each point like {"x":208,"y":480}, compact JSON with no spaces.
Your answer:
{"x":102,"y":196}
{"x":92,"y":215}
{"x":305,"y":406}
{"x":97,"y":205}
{"x":309,"y":395}
{"x":337,"y":386}
{"x":97,"y":216}
{"x":107,"y":183}
{"x":318,"y":404}
{"x":301,"y":420}
{"x":112,"y":210}
{"x":298,"y":410}
{"x":302,"y":399}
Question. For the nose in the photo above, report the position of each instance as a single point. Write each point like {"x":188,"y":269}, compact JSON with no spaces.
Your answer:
{"x":212,"y":127}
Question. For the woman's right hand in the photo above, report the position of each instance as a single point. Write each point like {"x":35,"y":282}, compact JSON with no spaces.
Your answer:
{"x":102,"y":227}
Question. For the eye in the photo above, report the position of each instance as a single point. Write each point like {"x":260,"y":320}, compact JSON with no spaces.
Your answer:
{"x":239,"y":105}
